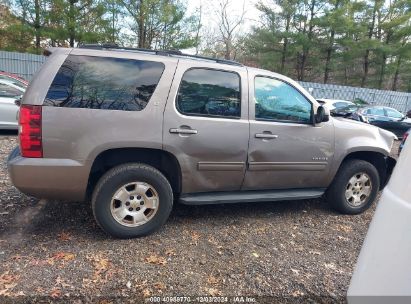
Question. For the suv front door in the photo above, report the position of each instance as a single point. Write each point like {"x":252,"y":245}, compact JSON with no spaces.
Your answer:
{"x":206,"y":125}
{"x":286,"y":149}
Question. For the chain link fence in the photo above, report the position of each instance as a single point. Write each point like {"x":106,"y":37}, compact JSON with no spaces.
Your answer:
{"x":22,"y":64}
{"x":398,"y":100}
{"x":26,"y":65}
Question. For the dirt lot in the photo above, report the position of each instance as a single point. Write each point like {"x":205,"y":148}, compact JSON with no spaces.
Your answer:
{"x":52,"y":250}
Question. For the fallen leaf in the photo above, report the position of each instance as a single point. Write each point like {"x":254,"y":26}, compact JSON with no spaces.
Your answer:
{"x":64,"y":236}
{"x":103,"y":270}
{"x":329,"y":266}
{"x":61,"y":282}
{"x":214,"y":292}
{"x":295,"y":271}
{"x":102,"y":264}
{"x":55,"y":293}
{"x":61,"y":256}
{"x":195,"y":236}
{"x":146,"y":293}
{"x":256,"y":255}
{"x":159,"y":286}
{"x":344,"y":228}
{"x":156,"y":260}
{"x":170,"y":252}
{"x":297,"y":293}
{"x":7,"y":278}
{"x":40,"y":290}
{"x":212,"y":280}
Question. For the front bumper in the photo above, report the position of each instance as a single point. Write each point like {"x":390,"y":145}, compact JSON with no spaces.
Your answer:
{"x":60,"y":179}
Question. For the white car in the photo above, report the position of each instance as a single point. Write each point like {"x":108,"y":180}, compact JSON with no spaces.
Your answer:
{"x":384,"y":266}
{"x":9,"y":92}
{"x":332,"y":104}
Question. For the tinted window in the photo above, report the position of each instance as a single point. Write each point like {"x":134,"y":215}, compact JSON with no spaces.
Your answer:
{"x":210,"y":93}
{"x":13,"y":81}
{"x":104,"y":83}
{"x":341,"y":104}
{"x":9,"y":91}
{"x":393,"y":113}
{"x":276,"y":100}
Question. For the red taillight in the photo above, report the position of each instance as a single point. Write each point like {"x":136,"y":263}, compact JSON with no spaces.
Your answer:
{"x":404,"y":137}
{"x":30,"y":131}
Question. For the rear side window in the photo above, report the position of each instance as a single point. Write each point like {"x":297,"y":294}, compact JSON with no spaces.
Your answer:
{"x":206,"y":92}
{"x":393,"y":113}
{"x":104,"y":83}
{"x":376,"y":111}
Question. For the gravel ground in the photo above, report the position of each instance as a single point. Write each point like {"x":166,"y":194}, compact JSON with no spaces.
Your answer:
{"x":55,"y":251}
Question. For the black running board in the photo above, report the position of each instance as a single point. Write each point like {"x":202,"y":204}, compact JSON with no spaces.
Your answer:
{"x":249,"y":196}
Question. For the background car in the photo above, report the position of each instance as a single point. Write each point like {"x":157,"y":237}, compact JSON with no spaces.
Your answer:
{"x":16,"y":79}
{"x":408,"y":117}
{"x":387,"y":118}
{"x":332,"y":104}
{"x":404,"y":138}
{"x":383,"y":268}
{"x":11,"y":88}
{"x":352,"y":112}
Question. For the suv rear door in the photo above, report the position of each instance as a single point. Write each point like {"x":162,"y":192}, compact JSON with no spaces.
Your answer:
{"x":286,"y":149}
{"x":206,"y":125}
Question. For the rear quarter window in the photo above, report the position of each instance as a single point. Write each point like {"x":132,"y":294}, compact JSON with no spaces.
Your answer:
{"x":104,"y":83}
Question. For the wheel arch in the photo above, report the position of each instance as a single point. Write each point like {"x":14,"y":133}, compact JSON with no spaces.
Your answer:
{"x":162,"y":160}
{"x":383,"y":163}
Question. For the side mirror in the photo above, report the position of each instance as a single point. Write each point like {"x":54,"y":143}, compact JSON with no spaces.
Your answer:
{"x":322,"y":115}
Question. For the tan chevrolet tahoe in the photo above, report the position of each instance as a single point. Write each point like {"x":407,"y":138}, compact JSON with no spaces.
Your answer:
{"x":135,"y":130}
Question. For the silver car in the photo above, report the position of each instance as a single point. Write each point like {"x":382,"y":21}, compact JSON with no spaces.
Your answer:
{"x":9,"y":92}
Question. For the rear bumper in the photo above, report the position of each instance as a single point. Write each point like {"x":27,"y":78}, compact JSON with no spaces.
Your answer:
{"x":60,"y":179}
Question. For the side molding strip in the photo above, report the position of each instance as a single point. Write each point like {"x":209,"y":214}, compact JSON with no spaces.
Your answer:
{"x":221,"y":166}
{"x":288,"y":166}
{"x":250,"y":196}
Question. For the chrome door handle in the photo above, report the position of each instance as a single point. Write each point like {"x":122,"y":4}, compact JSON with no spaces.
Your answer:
{"x":266,"y":136}
{"x":183,"y":131}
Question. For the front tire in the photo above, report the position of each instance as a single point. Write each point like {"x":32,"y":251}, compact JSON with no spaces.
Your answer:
{"x":355,"y":187}
{"x":132,"y":200}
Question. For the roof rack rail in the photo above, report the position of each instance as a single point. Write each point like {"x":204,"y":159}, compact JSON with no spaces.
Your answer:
{"x":157,"y":52}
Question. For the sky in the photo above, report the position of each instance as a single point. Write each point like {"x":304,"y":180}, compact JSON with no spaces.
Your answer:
{"x":210,"y":18}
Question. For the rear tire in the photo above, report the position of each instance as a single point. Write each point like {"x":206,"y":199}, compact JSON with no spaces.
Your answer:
{"x":354,"y":188}
{"x":132,"y":200}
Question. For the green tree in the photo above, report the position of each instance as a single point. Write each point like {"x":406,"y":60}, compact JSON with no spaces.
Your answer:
{"x":78,"y":21}
{"x":160,"y":23}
